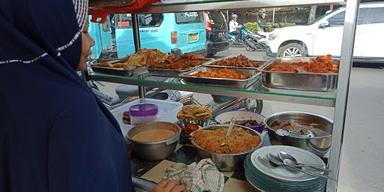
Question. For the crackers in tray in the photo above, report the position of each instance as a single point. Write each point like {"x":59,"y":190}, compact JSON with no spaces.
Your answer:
{"x":195,"y":112}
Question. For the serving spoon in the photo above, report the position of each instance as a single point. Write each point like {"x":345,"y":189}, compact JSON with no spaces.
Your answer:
{"x":231,"y":125}
{"x":293,"y":162}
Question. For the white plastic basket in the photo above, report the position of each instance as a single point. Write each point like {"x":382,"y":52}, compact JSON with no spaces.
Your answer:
{"x":167,"y":111}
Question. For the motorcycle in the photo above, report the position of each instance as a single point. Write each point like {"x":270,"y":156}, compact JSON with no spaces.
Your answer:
{"x":253,"y":41}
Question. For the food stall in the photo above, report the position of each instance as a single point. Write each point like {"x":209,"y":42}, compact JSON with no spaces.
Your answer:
{"x":256,"y":163}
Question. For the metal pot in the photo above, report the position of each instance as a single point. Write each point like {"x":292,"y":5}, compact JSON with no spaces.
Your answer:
{"x":318,"y":144}
{"x":226,"y":162}
{"x":154,"y":150}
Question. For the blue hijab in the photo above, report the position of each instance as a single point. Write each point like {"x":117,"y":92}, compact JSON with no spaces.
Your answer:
{"x":55,"y":135}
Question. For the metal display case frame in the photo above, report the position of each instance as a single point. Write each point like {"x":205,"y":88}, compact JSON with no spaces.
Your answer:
{"x":337,"y":99}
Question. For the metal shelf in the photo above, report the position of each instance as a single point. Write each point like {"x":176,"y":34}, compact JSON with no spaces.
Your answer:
{"x":230,"y":4}
{"x":301,"y":97}
{"x":339,"y":102}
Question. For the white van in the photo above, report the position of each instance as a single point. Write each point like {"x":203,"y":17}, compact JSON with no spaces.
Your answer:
{"x":324,"y":36}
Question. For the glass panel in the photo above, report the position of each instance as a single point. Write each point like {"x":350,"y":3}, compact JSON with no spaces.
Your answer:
{"x":123,"y":21}
{"x":150,"y":20}
{"x":370,"y":16}
{"x":206,"y":33}
{"x":337,"y":20}
{"x":304,"y":97}
{"x":189,"y":17}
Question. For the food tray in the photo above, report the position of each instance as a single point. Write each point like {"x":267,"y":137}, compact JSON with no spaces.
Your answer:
{"x":252,"y":75}
{"x":211,"y":64}
{"x":166,"y":72}
{"x":170,"y":72}
{"x":298,"y":81}
{"x":119,"y":71}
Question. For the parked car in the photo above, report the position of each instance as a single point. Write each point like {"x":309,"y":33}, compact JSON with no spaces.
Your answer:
{"x":216,"y":28}
{"x":181,"y":32}
{"x":165,"y":31}
{"x":324,"y":36}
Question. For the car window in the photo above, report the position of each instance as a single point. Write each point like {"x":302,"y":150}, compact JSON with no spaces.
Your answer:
{"x":218,"y":20}
{"x":337,"y":20}
{"x":189,"y":17}
{"x":370,"y":15}
{"x":150,"y":20}
{"x":122,"y":21}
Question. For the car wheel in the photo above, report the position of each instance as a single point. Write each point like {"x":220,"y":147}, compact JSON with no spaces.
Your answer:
{"x":292,"y":50}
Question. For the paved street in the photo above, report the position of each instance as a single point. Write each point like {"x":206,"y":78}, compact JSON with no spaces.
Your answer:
{"x":362,"y":167}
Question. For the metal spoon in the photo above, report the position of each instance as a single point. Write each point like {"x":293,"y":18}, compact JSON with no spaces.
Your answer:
{"x":289,"y":163}
{"x":284,"y":155}
{"x":273,"y":159}
{"x":231,"y":125}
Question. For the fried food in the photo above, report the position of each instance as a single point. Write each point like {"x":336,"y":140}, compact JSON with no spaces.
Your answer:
{"x":215,"y":140}
{"x":195,"y":112}
{"x":183,"y":62}
{"x":238,"y":61}
{"x":143,"y":57}
{"x":321,"y":64}
{"x":220,"y":73}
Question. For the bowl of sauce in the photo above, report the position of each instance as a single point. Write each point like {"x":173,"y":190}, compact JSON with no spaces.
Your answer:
{"x":154,"y":140}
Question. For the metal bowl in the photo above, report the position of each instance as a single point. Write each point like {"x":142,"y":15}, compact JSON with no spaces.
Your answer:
{"x":154,"y":150}
{"x":225,"y":161}
{"x":225,"y":118}
{"x":319,"y":143}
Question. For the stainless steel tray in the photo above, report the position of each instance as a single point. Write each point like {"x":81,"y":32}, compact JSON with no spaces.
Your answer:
{"x":119,"y":71}
{"x":170,"y":72}
{"x":252,"y":75}
{"x":298,"y":81}
{"x":212,"y":64}
{"x":112,"y":71}
{"x":166,"y":72}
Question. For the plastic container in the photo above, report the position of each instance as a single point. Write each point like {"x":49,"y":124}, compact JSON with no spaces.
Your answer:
{"x":167,"y":111}
{"x":143,"y":112}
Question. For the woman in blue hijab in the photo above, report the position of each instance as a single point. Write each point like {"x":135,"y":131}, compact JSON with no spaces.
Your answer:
{"x":55,"y":135}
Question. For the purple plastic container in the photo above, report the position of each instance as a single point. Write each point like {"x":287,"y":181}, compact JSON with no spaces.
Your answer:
{"x":143,"y":112}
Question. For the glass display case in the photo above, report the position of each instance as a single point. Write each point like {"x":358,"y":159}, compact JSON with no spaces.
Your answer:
{"x":179,"y":27}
